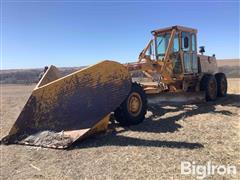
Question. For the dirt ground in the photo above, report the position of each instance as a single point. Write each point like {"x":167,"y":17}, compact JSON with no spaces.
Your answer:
{"x":152,"y":150}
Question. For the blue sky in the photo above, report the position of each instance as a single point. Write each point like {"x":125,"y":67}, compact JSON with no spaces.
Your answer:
{"x":76,"y":33}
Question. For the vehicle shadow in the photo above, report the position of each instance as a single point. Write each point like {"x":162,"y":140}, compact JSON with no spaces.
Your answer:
{"x":161,"y":125}
{"x":113,"y":139}
{"x":170,"y":124}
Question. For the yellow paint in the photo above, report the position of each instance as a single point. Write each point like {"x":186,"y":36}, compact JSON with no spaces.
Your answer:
{"x":101,"y":126}
{"x":52,"y":87}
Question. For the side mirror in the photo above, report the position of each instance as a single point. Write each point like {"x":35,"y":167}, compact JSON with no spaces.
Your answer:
{"x":185,"y":42}
{"x":202,"y":49}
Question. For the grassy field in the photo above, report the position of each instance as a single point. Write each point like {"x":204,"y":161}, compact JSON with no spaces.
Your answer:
{"x":234,"y":85}
{"x":152,"y":150}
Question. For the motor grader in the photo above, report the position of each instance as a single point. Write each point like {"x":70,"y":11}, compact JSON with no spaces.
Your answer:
{"x":62,"y":110}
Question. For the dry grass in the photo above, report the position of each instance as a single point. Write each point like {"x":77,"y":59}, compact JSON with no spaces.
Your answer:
{"x":234,"y":85}
{"x":151,"y":150}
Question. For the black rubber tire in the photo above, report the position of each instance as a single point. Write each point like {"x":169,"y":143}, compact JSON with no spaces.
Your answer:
{"x":221,"y":84}
{"x":122,"y":114}
{"x":206,"y":83}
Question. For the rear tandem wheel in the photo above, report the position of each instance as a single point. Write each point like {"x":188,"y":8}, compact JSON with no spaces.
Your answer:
{"x":221,"y":84}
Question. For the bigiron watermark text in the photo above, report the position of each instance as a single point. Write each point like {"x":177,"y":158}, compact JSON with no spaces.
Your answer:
{"x":201,"y":171}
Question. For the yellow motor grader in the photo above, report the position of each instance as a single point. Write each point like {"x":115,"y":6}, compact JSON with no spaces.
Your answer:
{"x":63,"y":109}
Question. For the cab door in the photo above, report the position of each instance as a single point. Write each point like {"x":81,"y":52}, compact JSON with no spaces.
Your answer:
{"x":189,"y":53}
{"x":175,"y":56}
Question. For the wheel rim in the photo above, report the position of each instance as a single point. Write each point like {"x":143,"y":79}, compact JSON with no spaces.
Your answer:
{"x":212,"y":89}
{"x":134,"y":104}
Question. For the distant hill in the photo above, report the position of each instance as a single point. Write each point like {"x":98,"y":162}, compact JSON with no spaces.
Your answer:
{"x":231,"y":67}
{"x":28,"y":76}
{"x":228,"y":62}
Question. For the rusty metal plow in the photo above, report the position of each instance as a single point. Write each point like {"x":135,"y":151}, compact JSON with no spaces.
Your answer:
{"x":62,"y":110}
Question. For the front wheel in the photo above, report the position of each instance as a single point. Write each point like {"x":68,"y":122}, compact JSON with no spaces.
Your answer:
{"x":209,"y":85}
{"x":132,"y":111}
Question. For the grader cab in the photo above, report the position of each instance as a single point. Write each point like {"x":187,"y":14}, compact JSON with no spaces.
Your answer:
{"x":172,"y":57}
{"x":64,"y":109}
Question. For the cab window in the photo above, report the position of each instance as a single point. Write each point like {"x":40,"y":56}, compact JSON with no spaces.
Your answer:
{"x":187,"y":63}
{"x":185,"y":41}
{"x":194,"y":63}
{"x":176,"y":43}
{"x":162,"y":44}
{"x":193,"y":42}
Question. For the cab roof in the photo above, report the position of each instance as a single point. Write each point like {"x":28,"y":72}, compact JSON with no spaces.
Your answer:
{"x":176,"y":27}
